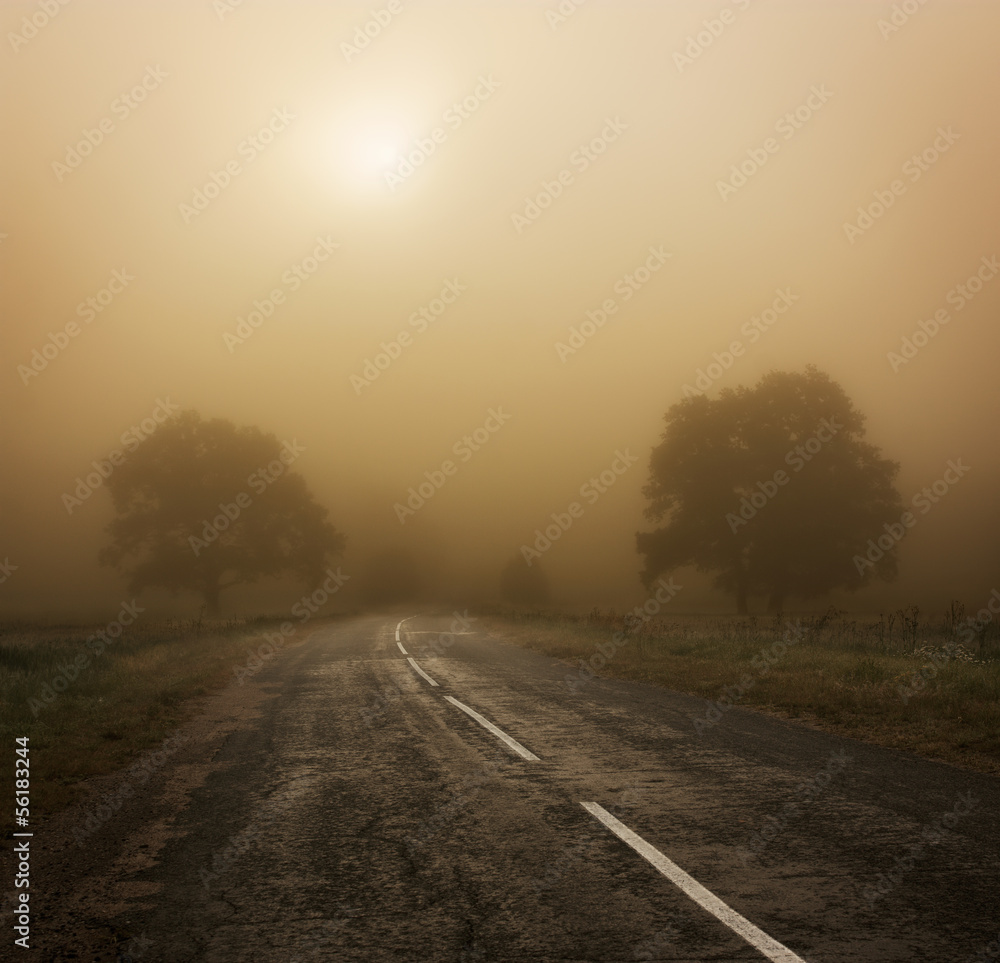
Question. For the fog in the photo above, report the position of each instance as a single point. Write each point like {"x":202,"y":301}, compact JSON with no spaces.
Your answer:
{"x":228,"y":182}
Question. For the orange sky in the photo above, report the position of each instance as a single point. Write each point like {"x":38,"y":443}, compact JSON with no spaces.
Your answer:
{"x":561,"y":166}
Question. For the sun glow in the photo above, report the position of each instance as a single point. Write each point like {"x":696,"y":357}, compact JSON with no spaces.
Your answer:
{"x":378,"y":147}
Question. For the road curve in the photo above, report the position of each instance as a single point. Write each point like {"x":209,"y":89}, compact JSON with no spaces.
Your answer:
{"x":362,"y":813}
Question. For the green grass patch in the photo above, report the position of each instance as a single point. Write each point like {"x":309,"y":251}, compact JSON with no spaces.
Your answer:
{"x":893,"y":682}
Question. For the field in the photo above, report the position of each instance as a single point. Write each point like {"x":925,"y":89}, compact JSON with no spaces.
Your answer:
{"x":896,"y":680}
{"x":88,"y":711}
{"x":893,"y":680}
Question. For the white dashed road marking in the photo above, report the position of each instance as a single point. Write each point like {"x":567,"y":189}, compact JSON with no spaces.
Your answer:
{"x":499,"y":733}
{"x":421,"y":671}
{"x":757,"y":938}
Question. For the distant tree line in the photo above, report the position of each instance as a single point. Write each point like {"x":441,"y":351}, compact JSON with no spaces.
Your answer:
{"x":773,"y":489}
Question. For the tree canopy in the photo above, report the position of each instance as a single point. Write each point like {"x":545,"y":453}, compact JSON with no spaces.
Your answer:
{"x":204,"y":505}
{"x":773,"y":488}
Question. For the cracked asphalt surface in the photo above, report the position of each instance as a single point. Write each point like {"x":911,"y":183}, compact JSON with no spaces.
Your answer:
{"x":340,"y":808}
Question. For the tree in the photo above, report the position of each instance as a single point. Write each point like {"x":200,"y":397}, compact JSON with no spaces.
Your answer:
{"x":773,"y":488}
{"x":204,"y":505}
{"x":523,"y":585}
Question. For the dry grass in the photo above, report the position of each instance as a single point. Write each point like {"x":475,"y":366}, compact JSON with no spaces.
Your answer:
{"x":124,"y":701}
{"x":846,"y":675}
{"x":854,"y":676}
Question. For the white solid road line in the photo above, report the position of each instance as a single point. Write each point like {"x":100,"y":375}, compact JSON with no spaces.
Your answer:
{"x":757,"y":938}
{"x":401,"y":649}
{"x":401,"y":621}
{"x":421,"y":671}
{"x":499,"y":733}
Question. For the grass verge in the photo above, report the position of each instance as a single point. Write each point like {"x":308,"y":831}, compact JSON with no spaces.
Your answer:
{"x":87,"y":714}
{"x":892,"y":682}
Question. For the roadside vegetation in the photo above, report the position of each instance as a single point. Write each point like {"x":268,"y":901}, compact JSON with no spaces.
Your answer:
{"x":895,"y":679}
{"x":87,"y":714}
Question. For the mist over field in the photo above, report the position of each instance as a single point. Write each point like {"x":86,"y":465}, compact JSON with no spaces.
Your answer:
{"x":460,"y":260}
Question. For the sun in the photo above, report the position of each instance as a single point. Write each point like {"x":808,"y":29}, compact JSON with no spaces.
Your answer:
{"x":358,"y":146}
{"x":377,"y":148}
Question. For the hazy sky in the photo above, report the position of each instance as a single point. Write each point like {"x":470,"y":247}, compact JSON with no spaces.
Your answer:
{"x":214,"y":153}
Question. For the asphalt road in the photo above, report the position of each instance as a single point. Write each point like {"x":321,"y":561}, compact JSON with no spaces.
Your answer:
{"x":356,"y":813}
